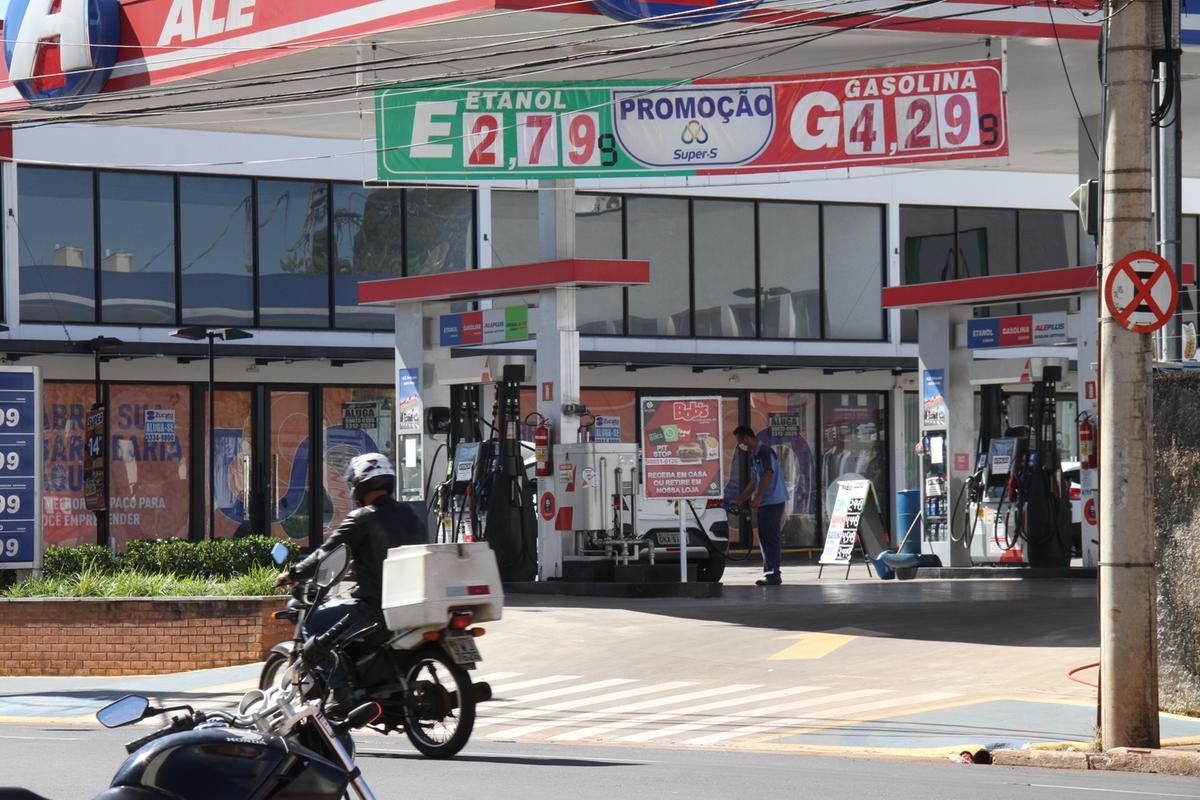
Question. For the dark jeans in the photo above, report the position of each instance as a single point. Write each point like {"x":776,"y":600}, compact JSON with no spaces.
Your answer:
{"x":770,"y":538}
{"x":362,"y":615}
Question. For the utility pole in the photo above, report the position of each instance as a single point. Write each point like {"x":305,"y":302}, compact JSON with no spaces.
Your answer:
{"x":1128,"y":655}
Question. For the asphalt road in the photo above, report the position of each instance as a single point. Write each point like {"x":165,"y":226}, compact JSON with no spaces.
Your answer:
{"x":75,"y":764}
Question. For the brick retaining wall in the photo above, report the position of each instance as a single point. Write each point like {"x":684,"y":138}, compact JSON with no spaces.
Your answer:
{"x":136,"y":636}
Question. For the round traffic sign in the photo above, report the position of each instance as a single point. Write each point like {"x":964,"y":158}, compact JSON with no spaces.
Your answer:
{"x":1141,"y":292}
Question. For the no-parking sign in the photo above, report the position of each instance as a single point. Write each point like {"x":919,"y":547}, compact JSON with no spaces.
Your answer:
{"x":1141,"y":292}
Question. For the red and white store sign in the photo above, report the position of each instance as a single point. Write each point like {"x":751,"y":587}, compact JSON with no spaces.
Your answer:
{"x":169,"y":40}
{"x":885,"y":116}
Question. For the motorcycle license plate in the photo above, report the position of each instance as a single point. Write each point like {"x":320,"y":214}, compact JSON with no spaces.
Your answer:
{"x":462,"y":649}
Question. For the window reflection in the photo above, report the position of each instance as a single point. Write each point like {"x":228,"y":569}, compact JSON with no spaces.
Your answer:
{"x":440,"y":226}
{"x":368,"y":235}
{"x":599,"y":310}
{"x":724,"y":264}
{"x":789,"y":242}
{"x":293,"y":253}
{"x":57,"y":252}
{"x":658,"y":233}
{"x":216,"y":245}
{"x":137,"y":248}
{"x":853,"y":272}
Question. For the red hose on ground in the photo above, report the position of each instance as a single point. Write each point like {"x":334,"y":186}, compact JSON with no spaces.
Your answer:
{"x":1071,"y":674}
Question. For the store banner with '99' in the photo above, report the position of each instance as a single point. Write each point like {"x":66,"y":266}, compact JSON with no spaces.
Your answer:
{"x":707,"y":127}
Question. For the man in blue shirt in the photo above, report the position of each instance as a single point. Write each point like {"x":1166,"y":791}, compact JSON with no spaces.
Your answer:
{"x":767,"y":495}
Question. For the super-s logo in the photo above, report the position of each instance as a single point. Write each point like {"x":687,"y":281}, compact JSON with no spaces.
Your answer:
{"x":58,"y":51}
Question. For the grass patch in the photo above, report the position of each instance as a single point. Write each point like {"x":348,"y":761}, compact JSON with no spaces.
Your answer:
{"x":93,"y":582}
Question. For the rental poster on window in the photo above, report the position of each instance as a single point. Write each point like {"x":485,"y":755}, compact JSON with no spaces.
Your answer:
{"x":681,"y":443}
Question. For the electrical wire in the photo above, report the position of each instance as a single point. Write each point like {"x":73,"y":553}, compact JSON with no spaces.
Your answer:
{"x":1070,"y":86}
{"x":537,"y":67}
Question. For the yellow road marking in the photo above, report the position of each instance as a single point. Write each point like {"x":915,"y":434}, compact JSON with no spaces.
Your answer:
{"x":812,"y":646}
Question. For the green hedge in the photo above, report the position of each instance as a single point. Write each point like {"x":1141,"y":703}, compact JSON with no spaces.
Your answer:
{"x":218,"y":558}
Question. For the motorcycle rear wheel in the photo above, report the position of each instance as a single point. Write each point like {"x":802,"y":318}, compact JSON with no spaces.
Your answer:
{"x":439,"y":712}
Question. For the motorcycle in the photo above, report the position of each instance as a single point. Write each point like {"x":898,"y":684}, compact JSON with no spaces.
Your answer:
{"x":279,"y":743}
{"x":418,"y":677}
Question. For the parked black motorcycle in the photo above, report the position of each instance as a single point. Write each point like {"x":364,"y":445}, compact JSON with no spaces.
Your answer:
{"x":278,"y":745}
{"x":418,"y":677}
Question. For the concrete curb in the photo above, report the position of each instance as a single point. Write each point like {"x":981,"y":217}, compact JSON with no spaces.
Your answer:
{"x":1121,"y":759}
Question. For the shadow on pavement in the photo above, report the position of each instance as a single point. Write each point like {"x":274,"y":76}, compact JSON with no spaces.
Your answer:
{"x":1032,"y":613}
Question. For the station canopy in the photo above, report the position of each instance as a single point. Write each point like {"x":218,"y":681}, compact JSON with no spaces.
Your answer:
{"x":309,"y":68}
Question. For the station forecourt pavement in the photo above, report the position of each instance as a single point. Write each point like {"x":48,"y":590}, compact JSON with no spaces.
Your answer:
{"x":832,"y":665}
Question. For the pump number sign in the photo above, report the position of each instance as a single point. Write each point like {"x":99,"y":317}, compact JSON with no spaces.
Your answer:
{"x":705,"y":127}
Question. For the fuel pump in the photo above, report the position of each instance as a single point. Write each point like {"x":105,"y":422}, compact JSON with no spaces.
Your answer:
{"x":505,"y":495}
{"x":454,"y":501}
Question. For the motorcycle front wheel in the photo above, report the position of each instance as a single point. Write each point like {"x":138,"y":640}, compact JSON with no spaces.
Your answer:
{"x":272,"y":669}
{"x":439,"y":712}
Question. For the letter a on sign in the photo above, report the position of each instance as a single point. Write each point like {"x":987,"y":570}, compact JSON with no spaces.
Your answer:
{"x":1141,"y":292}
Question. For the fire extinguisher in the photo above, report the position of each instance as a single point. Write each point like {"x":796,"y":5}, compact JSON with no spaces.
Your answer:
{"x":1087,"y":441}
{"x":541,"y":447}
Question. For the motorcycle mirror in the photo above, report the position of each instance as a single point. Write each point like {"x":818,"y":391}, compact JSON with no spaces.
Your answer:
{"x":127,"y":710}
{"x":280,"y":553}
{"x":333,"y":566}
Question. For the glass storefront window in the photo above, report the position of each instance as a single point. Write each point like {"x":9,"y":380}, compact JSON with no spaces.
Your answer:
{"x":354,"y":421}
{"x":293,"y":253}
{"x":149,"y":484}
{"x":137,"y":248}
{"x":57,"y":248}
{"x":1048,"y":240}
{"x":288,"y":470}
{"x":216,"y":245}
{"x":787,"y":421}
{"x":854,"y":445}
{"x":368,"y":235}
{"x":723,"y":235}
{"x":658,"y":233}
{"x":789,"y":254}
{"x":599,"y":310}
{"x":440,"y":230}
{"x":853,"y":237}
{"x":65,"y":519}
{"x":514,"y":228}
{"x":233,"y":464}
{"x":927,"y":244}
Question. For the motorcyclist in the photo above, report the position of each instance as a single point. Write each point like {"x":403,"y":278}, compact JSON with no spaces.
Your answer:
{"x":377,"y":524}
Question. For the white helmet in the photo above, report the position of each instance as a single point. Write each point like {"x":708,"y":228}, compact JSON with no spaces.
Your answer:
{"x":369,"y":472}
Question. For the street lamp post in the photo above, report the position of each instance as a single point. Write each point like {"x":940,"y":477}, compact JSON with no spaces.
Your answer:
{"x":197,"y":333}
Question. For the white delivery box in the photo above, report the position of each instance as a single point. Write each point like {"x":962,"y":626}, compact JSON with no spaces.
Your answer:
{"x":423,"y":583}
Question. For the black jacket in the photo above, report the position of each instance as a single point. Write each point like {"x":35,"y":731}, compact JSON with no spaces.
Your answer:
{"x":369,"y":532}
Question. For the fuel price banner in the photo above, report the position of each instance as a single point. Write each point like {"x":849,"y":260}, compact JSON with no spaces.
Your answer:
{"x":707,"y":127}
{"x":681,"y":446}
{"x":20,"y":468}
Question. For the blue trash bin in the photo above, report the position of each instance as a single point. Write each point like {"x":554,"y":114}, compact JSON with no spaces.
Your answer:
{"x":908,"y":505}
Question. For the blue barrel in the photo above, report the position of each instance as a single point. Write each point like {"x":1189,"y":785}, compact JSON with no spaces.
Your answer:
{"x":908,"y":504}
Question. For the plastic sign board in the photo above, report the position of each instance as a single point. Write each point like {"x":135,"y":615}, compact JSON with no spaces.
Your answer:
{"x":1141,"y":292}
{"x":59,"y":51}
{"x":709,"y":127}
{"x":94,"y":453}
{"x":160,"y":425}
{"x":493,"y":325}
{"x":674,"y":13}
{"x":20,"y":468}
{"x":855,"y":518}
{"x":1019,"y":330}
{"x":682,"y":447}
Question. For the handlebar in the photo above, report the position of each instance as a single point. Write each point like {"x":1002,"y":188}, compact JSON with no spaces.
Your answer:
{"x":175,"y":726}
{"x":318,"y":648}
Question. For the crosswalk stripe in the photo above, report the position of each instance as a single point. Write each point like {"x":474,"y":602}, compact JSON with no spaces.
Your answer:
{"x":534,"y":727}
{"x":528,"y":684}
{"x":586,"y":733}
{"x":565,"y":690}
{"x":581,"y":702}
{"x":492,"y":677}
{"x":836,"y":713}
{"x":761,"y":711}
